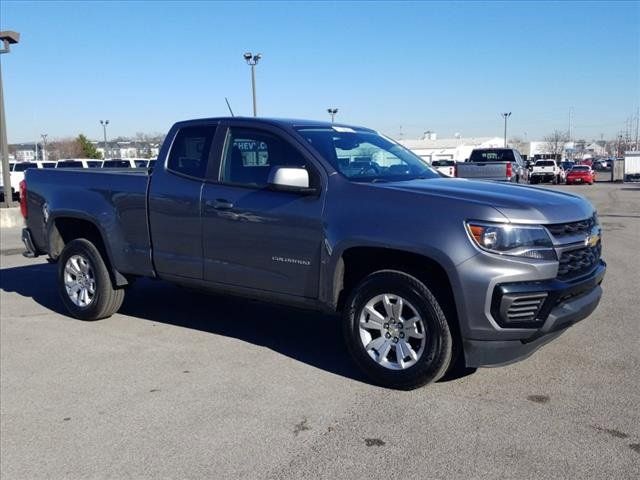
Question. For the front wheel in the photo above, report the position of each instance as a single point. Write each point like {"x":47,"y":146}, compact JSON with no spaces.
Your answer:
{"x":84,"y":283}
{"x":396,"y":331}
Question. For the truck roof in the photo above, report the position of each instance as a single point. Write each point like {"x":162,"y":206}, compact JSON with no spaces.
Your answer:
{"x":280,"y":122}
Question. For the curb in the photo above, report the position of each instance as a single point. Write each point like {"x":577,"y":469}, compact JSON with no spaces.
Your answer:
{"x":11,"y":217}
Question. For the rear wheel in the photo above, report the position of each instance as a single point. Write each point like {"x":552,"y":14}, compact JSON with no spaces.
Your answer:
{"x":396,"y":331}
{"x":84,"y":283}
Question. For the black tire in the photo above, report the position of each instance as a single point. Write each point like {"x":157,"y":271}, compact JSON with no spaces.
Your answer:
{"x":106,"y":300}
{"x":437,"y":354}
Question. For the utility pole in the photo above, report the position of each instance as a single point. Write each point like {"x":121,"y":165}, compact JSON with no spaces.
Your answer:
{"x":104,"y":132}
{"x":332,"y":112}
{"x":505,"y":115}
{"x":253,"y":60}
{"x":571,"y":131}
{"x":637,"y":127}
{"x":8,"y":38}
{"x":44,"y":146}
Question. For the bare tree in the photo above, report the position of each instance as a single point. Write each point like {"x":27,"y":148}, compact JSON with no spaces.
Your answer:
{"x":64,"y":148}
{"x":555,"y":142}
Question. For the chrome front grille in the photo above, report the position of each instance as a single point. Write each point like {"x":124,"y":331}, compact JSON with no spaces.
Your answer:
{"x":575,"y":263}
{"x":517,"y":308}
{"x":560,"y":230}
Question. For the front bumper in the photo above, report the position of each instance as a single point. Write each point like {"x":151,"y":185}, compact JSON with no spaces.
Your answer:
{"x":566,"y":303}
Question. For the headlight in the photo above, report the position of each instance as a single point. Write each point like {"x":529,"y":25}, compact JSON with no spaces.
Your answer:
{"x":516,"y":240}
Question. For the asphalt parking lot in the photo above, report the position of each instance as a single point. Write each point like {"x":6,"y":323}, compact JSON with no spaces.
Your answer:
{"x":185,"y":385}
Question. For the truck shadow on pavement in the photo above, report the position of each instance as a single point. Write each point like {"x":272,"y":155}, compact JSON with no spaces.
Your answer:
{"x":306,"y":336}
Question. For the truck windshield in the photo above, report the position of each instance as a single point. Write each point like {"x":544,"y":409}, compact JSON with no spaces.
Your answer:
{"x":366,"y":156}
{"x":492,"y":155}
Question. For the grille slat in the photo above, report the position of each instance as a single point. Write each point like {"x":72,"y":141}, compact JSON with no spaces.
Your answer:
{"x":578,"y":262}
{"x":524,"y":308}
{"x":560,"y":230}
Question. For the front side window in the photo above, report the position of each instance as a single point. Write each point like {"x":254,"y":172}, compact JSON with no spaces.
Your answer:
{"x":94,"y":164}
{"x":363,"y":155}
{"x":251,"y":154}
{"x":190,"y":150}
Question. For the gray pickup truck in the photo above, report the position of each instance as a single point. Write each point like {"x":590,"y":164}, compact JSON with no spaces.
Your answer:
{"x":502,"y":164}
{"x":429,"y":273}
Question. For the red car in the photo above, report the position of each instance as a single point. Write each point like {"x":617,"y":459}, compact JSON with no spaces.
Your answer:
{"x":581,"y":174}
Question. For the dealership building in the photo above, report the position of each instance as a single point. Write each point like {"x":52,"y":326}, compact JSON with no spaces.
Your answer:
{"x":457,"y":148}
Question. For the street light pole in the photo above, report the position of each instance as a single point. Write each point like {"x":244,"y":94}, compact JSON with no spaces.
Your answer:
{"x":44,"y":146}
{"x":505,"y":115}
{"x":332,"y":112}
{"x":104,"y":124}
{"x":252,"y":60}
{"x":8,"y":38}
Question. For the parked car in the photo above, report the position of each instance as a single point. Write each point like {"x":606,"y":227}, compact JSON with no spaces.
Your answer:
{"x":78,"y":163}
{"x":16,"y":174}
{"x":141,"y":162}
{"x":445,"y":167}
{"x":602,"y":165}
{"x":546,"y":171}
{"x":429,"y":273}
{"x":119,"y":163}
{"x":504,"y":164}
{"x":567,"y":165}
{"x":581,"y":174}
{"x":586,"y":161}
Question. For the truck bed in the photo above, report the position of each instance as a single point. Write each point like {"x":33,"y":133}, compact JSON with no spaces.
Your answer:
{"x":116,"y":197}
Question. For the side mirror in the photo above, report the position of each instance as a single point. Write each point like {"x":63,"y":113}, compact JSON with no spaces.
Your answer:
{"x":290,"y":179}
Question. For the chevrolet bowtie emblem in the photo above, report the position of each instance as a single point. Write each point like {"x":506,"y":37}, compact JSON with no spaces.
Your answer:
{"x":592,"y":240}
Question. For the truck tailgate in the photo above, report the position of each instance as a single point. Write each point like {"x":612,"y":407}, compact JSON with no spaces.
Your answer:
{"x":483,"y":170}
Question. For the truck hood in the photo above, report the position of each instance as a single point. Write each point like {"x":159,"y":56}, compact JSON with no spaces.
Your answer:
{"x":519,"y":203}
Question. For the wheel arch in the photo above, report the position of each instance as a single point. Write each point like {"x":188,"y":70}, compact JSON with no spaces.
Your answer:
{"x":356,"y":262}
{"x":64,"y":228}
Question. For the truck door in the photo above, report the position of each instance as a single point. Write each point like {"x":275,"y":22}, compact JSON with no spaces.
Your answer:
{"x":253,"y":236}
{"x":174,"y":201}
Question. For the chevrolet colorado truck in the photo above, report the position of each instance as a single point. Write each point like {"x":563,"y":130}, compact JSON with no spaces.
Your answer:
{"x":503,"y":164}
{"x":427,"y":272}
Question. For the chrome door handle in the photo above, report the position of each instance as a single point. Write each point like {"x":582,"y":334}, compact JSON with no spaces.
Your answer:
{"x":221,"y":204}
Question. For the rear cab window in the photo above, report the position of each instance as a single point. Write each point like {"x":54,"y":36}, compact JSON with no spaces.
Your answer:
{"x":190,"y":151}
{"x":493,"y":155}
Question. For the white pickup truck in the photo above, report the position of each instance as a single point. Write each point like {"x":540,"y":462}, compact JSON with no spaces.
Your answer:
{"x":445,"y":167}
{"x":546,"y":171}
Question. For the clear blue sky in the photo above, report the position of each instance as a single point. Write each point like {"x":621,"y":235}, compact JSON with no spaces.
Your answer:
{"x":448,"y":67}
